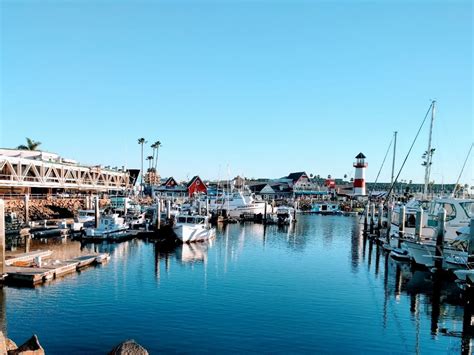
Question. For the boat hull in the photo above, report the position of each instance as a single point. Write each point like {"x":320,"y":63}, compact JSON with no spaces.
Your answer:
{"x":189,"y":234}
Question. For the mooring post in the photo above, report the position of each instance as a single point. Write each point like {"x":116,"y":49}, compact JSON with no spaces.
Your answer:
{"x":401,"y":225}
{"x":27,"y":208}
{"x":470,"y":248}
{"x":440,"y":239}
{"x":265,"y":213}
{"x":380,"y":217}
{"x":199,"y":207}
{"x":168,"y":209}
{"x":372,"y":218}
{"x":419,"y":224}
{"x":158,"y":214}
{"x":207,"y":206}
{"x":295,"y":208}
{"x":389,"y":221}
{"x":366,"y":217}
{"x":96,"y":211}
{"x":27,"y":243}
{"x":2,"y":238}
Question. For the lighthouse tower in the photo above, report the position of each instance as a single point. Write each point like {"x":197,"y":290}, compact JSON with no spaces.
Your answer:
{"x":359,"y":180}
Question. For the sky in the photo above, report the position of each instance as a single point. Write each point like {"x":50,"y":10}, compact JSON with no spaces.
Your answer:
{"x":256,"y":88}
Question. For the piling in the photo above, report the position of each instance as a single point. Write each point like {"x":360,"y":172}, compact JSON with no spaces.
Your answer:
{"x":207,"y":206}
{"x":440,"y":239}
{"x":294,"y":211}
{"x":470,"y":248}
{"x":372,"y":218}
{"x":265,"y":213}
{"x":96,"y":211}
{"x":27,"y":208}
{"x":27,"y":243}
{"x":389,"y":221}
{"x":366,"y":217}
{"x":168,"y":209}
{"x":419,"y":224}
{"x":158,"y":214}
{"x":380,"y":217}
{"x":199,"y":207}
{"x":2,"y":237}
{"x":401,"y":225}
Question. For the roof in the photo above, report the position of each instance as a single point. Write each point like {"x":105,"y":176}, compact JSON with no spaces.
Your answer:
{"x":296,"y":176}
{"x":169,"y":181}
{"x":193,"y":180}
{"x":360,"y":156}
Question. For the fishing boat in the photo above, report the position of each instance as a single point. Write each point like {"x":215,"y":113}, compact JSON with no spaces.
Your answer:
{"x":110,"y":226}
{"x":189,"y":228}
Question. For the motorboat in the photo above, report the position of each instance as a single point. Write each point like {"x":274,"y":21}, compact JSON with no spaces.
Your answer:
{"x":110,"y":226}
{"x":237,"y":204}
{"x":193,"y":228}
{"x":285,"y":215}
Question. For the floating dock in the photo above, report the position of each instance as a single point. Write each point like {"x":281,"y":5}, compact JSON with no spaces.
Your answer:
{"x":27,"y":257}
{"x":32,"y":275}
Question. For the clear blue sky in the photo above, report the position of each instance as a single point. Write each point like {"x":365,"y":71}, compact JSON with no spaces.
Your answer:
{"x":264,"y":87}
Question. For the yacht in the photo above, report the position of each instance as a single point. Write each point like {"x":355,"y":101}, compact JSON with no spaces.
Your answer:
{"x":237,"y":203}
{"x":189,"y":228}
{"x":458,"y":215}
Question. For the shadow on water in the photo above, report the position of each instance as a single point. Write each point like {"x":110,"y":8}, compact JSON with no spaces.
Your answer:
{"x":438,"y":296}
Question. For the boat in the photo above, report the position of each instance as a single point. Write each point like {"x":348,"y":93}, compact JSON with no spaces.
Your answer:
{"x":110,"y":226}
{"x":285,"y":215}
{"x":325,"y":208}
{"x":84,"y":216}
{"x":237,"y":203}
{"x":193,"y":228}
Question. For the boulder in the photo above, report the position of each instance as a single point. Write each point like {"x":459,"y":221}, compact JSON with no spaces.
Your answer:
{"x":30,"y":347}
{"x":11,"y":345}
{"x":129,"y":347}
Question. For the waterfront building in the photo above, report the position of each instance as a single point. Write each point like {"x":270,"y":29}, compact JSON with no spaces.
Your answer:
{"x":39,"y":172}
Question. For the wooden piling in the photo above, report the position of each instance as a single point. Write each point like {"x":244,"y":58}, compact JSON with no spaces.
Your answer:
{"x":168,"y":209}
{"x":389,"y":221}
{"x":419,"y":224}
{"x":401,"y":225}
{"x":380,"y":217}
{"x":366,"y":217}
{"x":199,"y":207}
{"x":27,"y":243}
{"x":96,"y":211}
{"x":470,"y":248}
{"x":372,"y":218}
{"x":2,"y":237}
{"x":207,"y":206}
{"x":158,"y":214}
{"x":265,"y":213}
{"x":27,"y":208}
{"x":440,"y":239}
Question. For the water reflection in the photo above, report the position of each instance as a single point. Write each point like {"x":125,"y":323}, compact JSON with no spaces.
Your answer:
{"x":437,"y":296}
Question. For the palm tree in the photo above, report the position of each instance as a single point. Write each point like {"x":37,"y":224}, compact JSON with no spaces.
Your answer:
{"x":157,"y":145}
{"x":30,"y":145}
{"x":153,"y":146}
{"x":150,"y":159}
{"x":141,"y":141}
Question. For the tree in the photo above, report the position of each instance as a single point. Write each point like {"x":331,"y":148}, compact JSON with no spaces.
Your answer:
{"x":141,"y":141}
{"x":30,"y":145}
{"x":150,"y":159}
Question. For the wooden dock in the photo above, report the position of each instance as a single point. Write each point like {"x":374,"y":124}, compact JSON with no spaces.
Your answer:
{"x":27,"y":257}
{"x":32,"y":276}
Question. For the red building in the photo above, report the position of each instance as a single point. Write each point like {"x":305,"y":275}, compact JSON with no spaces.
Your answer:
{"x":196,"y":186}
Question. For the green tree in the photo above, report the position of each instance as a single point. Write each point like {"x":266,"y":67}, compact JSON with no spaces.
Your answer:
{"x":30,"y":145}
{"x":141,"y":141}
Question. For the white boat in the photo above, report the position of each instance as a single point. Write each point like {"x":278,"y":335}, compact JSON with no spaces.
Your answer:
{"x":110,"y":226}
{"x":85,"y":216}
{"x":463,"y":274}
{"x":238,"y":203}
{"x":285,"y":215}
{"x":193,"y":228}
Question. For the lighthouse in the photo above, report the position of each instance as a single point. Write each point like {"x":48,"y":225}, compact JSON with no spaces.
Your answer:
{"x":359,"y":180}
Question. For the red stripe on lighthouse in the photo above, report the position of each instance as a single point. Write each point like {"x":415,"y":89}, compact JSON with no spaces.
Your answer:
{"x":359,"y":183}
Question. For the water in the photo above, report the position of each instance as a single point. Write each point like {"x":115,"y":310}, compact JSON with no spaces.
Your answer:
{"x":317,"y":287}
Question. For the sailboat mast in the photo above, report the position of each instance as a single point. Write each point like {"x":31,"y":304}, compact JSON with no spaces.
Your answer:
{"x":429,"y":153}
{"x":393,"y":160}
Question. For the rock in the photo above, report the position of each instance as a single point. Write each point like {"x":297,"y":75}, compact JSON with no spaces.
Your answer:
{"x":3,"y":344}
{"x":11,"y":345}
{"x":129,"y":347}
{"x":30,"y":347}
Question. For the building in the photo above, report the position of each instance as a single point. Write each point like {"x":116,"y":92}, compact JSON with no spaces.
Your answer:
{"x":196,"y":186}
{"x":170,"y":189}
{"x":38,"y":172}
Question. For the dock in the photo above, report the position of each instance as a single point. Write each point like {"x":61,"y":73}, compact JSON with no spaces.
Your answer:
{"x":27,"y":257}
{"x":32,"y":275}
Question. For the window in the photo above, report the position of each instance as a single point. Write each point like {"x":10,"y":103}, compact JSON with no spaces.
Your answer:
{"x":468,"y":208}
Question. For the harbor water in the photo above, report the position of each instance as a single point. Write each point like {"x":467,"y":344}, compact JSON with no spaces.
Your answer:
{"x":316,"y":287}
